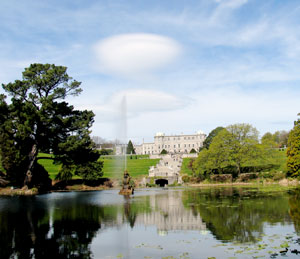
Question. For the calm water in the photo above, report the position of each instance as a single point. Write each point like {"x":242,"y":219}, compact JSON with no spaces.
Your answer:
{"x":154,"y":223}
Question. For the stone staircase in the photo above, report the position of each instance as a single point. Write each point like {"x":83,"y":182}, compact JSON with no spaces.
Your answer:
{"x":168,"y":168}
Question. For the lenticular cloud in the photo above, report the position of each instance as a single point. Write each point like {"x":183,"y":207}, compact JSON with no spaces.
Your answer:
{"x":134,"y":55}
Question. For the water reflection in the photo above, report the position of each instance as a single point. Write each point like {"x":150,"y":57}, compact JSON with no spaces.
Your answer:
{"x":64,"y":225}
{"x":238,"y":214}
{"x":168,"y":213}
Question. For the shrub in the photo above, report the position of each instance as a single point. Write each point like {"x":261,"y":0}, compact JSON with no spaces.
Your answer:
{"x":185,"y":178}
{"x":221,"y":178}
{"x":247,"y":176}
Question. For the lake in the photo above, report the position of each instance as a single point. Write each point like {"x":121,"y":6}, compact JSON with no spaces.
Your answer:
{"x":153,"y":223}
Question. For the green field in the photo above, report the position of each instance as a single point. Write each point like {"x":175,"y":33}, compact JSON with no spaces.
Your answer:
{"x":51,"y":168}
{"x":113,"y":166}
{"x":184,"y":167}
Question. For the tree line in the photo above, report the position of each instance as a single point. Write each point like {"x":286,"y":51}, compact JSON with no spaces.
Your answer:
{"x":237,"y":149}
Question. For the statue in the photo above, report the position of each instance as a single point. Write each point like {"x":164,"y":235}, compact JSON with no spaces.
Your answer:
{"x":127,"y":185}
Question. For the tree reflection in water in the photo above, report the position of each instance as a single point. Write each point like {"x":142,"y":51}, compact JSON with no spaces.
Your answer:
{"x":66,"y":225}
{"x":294,"y":203}
{"x":28,"y":230}
{"x":237,"y":214}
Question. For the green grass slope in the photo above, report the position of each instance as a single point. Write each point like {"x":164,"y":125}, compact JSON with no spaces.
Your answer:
{"x":184,"y":167}
{"x":113,"y":166}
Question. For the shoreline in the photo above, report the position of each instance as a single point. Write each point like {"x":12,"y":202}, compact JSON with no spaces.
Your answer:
{"x":8,"y":191}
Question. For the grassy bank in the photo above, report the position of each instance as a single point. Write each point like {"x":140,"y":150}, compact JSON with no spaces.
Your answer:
{"x":51,"y":168}
{"x":113,"y":166}
{"x":137,"y":166}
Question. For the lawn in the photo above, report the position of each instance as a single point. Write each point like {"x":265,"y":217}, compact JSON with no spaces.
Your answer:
{"x":51,"y":168}
{"x":113,"y":166}
{"x":137,"y":166}
{"x":184,"y":167}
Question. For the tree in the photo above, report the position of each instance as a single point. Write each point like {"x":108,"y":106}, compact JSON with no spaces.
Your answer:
{"x":277,"y":140}
{"x":130,"y":148}
{"x":38,"y":119}
{"x":236,"y":146}
{"x":211,"y":136}
{"x":164,"y":152}
{"x":293,"y":150}
{"x":281,"y":138}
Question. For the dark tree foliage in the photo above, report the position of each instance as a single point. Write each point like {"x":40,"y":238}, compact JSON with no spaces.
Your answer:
{"x":193,"y":151}
{"x":105,"y":152}
{"x":130,"y":148}
{"x":164,"y":152}
{"x":39,"y":120}
{"x":211,"y":136}
{"x":293,"y":150}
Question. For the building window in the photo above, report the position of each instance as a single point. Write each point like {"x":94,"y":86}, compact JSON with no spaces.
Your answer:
{"x":189,"y":145}
{"x":184,"y":145}
{"x":193,"y":145}
{"x":174,"y":146}
{"x":179,"y":146}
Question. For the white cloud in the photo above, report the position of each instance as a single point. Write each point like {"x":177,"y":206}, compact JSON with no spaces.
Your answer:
{"x":139,"y":101}
{"x":135,"y":55}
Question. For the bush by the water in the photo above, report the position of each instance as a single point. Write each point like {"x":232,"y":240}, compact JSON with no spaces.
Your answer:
{"x":223,"y":178}
{"x":247,"y":177}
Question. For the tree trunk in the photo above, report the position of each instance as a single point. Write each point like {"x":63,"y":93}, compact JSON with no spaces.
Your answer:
{"x":238,"y":169}
{"x":29,"y":173}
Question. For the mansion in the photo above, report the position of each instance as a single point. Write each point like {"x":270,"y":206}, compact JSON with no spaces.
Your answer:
{"x":172,"y":144}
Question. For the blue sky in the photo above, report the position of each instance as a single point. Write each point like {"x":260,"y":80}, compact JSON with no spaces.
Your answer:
{"x":183,"y":66}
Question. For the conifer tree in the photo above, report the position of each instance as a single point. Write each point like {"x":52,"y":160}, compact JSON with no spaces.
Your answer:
{"x":39,"y":120}
{"x":130,"y":148}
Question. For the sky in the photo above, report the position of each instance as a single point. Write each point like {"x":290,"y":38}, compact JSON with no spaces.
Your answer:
{"x":180,"y":66}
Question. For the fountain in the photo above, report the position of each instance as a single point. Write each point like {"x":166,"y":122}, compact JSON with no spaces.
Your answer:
{"x":127,"y":184}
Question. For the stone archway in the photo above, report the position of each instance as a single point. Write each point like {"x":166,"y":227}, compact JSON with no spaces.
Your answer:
{"x":161,"y":182}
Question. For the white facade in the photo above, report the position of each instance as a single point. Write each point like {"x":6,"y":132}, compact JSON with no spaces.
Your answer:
{"x":172,"y":144}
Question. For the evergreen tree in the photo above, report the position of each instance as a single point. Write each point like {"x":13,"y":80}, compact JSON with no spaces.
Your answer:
{"x":193,"y":151}
{"x":164,"y":152}
{"x":293,"y":150}
{"x":210,"y":137}
{"x":38,"y":119}
{"x":130,"y":148}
